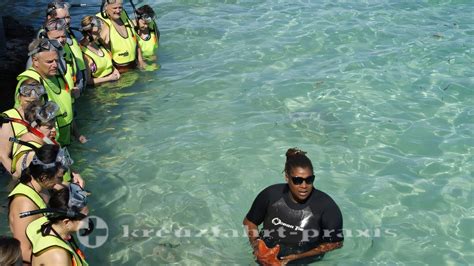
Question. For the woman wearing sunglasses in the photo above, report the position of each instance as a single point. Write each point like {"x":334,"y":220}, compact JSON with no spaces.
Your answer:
{"x":51,"y":236}
{"x":29,"y":93}
{"x":98,"y":59}
{"x":300,"y":222}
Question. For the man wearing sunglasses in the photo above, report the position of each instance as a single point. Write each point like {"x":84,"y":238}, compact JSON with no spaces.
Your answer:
{"x":300,"y":222}
{"x":59,"y":10}
{"x":44,"y":70}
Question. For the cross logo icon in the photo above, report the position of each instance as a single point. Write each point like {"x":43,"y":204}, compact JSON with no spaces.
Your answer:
{"x":98,"y":236}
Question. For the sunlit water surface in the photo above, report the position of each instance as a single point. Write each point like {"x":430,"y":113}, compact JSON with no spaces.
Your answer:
{"x":379,"y":93}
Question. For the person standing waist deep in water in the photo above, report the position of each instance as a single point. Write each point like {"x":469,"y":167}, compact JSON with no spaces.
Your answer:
{"x":119,"y":36}
{"x":301,"y":222}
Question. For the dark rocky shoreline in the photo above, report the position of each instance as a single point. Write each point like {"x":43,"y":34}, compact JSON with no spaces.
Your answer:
{"x":13,"y":56}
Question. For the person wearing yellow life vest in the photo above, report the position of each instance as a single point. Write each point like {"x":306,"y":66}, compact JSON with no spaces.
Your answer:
{"x":30,"y":93}
{"x":60,"y":10}
{"x":32,"y":192}
{"x":147,"y":32}
{"x":55,"y":29}
{"x":119,"y":36}
{"x":43,"y":121}
{"x":41,"y":118}
{"x":44,"y":69}
{"x":52,"y":236}
{"x":98,"y":58}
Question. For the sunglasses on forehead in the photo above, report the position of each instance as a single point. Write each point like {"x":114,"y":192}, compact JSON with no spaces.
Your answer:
{"x":95,"y":22}
{"x":146,"y":18}
{"x":56,"y":24}
{"x":32,"y":90}
{"x":46,"y":45}
{"x":299,"y":180}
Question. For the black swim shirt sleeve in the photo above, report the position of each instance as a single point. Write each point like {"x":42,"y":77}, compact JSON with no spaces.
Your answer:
{"x":259,"y":207}
{"x":331,"y":223}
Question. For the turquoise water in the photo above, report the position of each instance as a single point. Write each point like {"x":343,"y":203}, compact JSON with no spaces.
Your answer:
{"x":379,"y":93}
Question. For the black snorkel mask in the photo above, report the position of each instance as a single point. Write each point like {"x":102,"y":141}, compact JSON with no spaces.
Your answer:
{"x":77,"y":201}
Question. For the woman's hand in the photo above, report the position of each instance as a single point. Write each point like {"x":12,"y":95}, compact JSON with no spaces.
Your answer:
{"x":76,"y":178}
{"x":115,"y":75}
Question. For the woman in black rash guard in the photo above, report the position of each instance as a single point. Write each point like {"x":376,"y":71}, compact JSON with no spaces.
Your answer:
{"x":302,"y":220}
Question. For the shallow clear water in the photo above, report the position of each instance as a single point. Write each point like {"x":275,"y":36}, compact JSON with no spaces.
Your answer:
{"x":380,"y":94}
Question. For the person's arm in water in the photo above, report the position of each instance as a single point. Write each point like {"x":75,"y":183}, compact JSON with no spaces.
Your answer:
{"x":323,"y":248}
{"x":54,"y":254}
{"x":140,"y":61}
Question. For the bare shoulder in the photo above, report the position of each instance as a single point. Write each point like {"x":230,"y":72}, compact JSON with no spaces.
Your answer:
{"x":22,"y":203}
{"x":53,"y":256}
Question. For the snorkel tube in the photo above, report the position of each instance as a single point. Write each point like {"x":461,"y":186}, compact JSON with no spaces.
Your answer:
{"x":77,"y":201}
{"x":58,"y":213}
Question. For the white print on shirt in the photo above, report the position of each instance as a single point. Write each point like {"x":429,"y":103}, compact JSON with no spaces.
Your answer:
{"x":278,"y":221}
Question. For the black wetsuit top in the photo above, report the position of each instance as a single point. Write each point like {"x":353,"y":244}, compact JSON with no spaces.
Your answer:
{"x":297,"y":227}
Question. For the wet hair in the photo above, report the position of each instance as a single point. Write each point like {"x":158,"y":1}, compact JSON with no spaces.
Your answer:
{"x":47,"y":154}
{"x":145,"y":9}
{"x":296,"y":158}
{"x":10,"y":250}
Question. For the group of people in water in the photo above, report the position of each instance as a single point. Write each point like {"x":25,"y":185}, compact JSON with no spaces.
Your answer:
{"x":48,"y":202}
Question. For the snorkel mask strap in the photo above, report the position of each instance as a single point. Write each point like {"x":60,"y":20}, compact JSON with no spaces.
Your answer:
{"x":63,"y":158}
{"x":24,"y":143}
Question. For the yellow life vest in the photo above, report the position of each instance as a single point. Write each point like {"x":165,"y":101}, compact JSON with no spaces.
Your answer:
{"x":104,"y":65}
{"x":57,"y":91}
{"x":17,"y":128}
{"x":20,"y":150}
{"x":124,"y":50}
{"x":39,"y":243}
{"x":71,"y":67}
{"x":22,"y":189}
{"x":76,"y":50}
{"x":149,"y":47}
